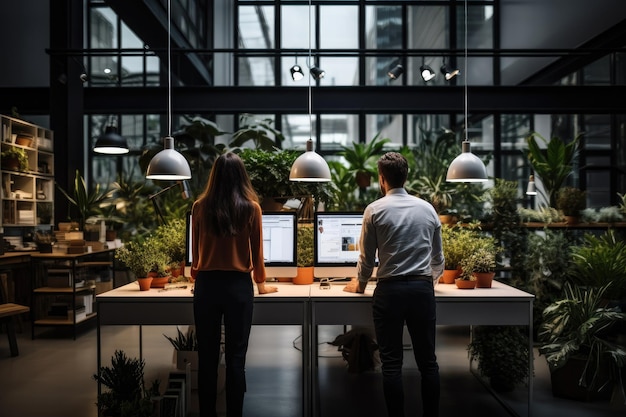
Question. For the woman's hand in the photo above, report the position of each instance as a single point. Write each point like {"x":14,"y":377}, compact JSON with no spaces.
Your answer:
{"x":265,"y":289}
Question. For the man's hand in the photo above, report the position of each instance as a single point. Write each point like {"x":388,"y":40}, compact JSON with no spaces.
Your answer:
{"x":266,"y":289}
{"x":354,"y":286}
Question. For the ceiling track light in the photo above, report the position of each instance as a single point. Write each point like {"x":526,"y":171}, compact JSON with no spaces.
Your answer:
{"x":317,"y":72}
{"x":426,"y":71}
{"x":466,"y":167}
{"x":111,"y":142}
{"x":169,"y":164}
{"x":395,"y":72}
{"x":450,"y":72}
{"x":310,"y":166}
{"x":296,"y":71}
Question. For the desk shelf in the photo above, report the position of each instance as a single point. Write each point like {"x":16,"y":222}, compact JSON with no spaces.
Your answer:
{"x":65,"y":287}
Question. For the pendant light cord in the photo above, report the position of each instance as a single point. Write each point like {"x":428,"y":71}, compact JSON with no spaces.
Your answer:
{"x":465,"y":75}
{"x":169,"y":68}
{"x":310,"y":100}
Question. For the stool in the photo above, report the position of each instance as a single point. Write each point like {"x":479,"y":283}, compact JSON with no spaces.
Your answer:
{"x":8,"y":313}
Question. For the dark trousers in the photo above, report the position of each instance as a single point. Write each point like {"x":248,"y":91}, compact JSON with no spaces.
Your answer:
{"x":222,"y":297}
{"x":395,"y":304}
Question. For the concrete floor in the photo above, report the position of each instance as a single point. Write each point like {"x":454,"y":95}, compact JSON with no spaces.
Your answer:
{"x":52,"y":376}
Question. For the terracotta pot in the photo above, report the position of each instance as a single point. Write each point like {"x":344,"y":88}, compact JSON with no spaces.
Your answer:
{"x":572,"y":219}
{"x":159,"y":282}
{"x":305,"y":276}
{"x":447,"y":218}
{"x":484,"y":279}
{"x":449,"y":275}
{"x":144,"y":283}
{"x":24,"y":140}
{"x":465,"y":284}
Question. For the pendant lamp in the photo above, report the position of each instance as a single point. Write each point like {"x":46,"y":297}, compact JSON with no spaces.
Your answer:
{"x":310,"y":166}
{"x":466,"y":167}
{"x":169,"y":164}
{"x":111,"y":142}
{"x":531,"y":189}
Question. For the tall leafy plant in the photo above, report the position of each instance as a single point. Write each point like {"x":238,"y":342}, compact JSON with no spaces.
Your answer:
{"x":552,"y":163}
{"x":88,"y":203}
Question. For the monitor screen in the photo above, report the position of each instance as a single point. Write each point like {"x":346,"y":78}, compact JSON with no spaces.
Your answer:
{"x":336,"y":240}
{"x":279,"y":243}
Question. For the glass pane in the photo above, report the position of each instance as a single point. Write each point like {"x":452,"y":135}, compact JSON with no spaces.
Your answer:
{"x":152,"y":70}
{"x":427,"y":27}
{"x":598,"y":72}
{"x":339,"y":27}
{"x":598,"y":181}
{"x":294,"y":26}
{"x":479,"y":27}
{"x":132,"y":71}
{"x":383,"y":27}
{"x":297,"y":129}
{"x":338,"y":130}
{"x":620,"y":69}
{"x":426,"y":126}
{"x":386,"y":126}
{"x":377,"y":69}
{"x":129,"y":39}
{"x":339,"y":71}
{"x":256,"y":71}
{"x":256,"y":27}
{"x":103,"y":28}
{"x":514,"y":131}
{"x":597,"y":132}
{"x":481,"y":135}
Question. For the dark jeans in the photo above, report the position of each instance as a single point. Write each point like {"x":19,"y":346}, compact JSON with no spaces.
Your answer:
{"x":412,"y":302}
{"x":222,"y":297}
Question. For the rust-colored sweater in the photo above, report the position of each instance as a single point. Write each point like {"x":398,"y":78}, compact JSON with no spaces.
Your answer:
{"x":243,"y":253}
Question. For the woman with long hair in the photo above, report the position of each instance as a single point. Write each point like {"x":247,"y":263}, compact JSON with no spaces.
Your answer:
{"x":227,"y":252}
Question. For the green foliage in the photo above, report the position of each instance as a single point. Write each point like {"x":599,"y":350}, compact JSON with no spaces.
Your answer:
{"x":571,"y":201}
{"x":600,"y":261}
{"x":580,"y":325}
{"x":504,"y":216}
{"x":545,"y":268}
{"x":552,"y":164}
{"x":269,"y":175}
{"x":170,"y":238}
{"x":88,"y":204}
{"x":457,"y":241}
{"x":184,"y":341}
{"x":502,"y":354}
{"x":127,"y":396}
{"x":142,"y":256}
{"x":305,"y":245}
{"x":362,"y":158}
{"x":480,"y":256}
{"x":13,"y":152}
{"x":260,"y":132}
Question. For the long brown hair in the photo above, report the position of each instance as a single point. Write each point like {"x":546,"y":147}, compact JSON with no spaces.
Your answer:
{"x":227,"y":201}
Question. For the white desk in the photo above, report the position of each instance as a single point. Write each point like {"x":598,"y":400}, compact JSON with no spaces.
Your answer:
{"x":127,"y":305}
{"x":309,"y":306}
{"x":499,"y":305}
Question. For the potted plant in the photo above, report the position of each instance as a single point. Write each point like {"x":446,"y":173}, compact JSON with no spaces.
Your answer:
{"x":170,"y":237}
{"x":144,"y":258}
{"x":87,"y":203}
{"x":502,"y":355}
{"x":456,"y":240}
{"x":126,"y":395}
{"x":186,"y":352}
{"x":14,"y":159}
{"x":580,"y":344}
{"x":304,"y":252}
{"x":571,"y":201}
{"x":480,"y":263}
{"x":362,"y":159}
{"x":552,"y":164}
{"x":600,"y":260}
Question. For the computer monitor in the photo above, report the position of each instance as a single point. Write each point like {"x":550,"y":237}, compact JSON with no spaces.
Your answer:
{"x":336,"y":240}
{"x":280,"y":231}
{"x":279,"y":244}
